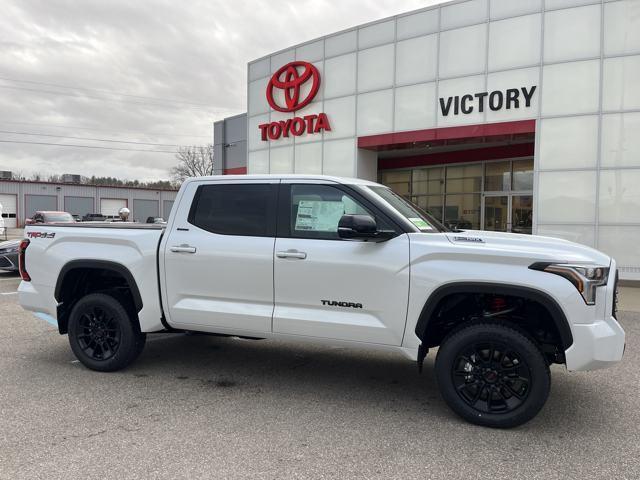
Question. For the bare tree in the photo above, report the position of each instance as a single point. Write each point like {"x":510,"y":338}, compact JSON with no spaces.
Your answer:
{"x":196,"y":161}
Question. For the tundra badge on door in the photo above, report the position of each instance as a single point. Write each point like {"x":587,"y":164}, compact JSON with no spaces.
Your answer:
{"x":336,"y":303}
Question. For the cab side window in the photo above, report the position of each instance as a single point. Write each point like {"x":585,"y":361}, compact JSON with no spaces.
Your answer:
{"x":235,"y":209}
{"x":317,"y":209}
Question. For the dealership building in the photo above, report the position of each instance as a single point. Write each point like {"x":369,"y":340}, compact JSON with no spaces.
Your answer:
{"x":507,"y":115}
{"x":20,"y":199}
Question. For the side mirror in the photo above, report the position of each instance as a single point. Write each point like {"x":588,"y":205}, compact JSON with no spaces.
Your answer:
{"x":357,"y":226}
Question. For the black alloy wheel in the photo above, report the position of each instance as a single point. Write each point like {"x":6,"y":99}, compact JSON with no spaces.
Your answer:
{"x":492,"y":375}
{"x":491,"y":378}
{"x":104,"y":333}
{"x":99,"y":335}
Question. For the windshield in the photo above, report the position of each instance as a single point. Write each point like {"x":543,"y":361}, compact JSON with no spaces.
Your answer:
{"x":59,"y":218}
{"x":422,"y":220}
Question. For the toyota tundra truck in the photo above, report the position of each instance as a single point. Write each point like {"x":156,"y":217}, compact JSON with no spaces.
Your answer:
{"x":342,"y":262}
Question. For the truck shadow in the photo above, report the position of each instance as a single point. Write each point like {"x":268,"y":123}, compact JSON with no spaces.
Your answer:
{"x":381,"y":382}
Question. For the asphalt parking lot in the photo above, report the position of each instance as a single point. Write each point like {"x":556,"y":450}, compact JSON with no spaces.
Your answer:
{"x":208,"y":407}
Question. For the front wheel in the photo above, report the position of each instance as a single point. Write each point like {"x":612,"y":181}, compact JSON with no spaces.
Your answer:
{"x":492,"y":375}
{"x":102,"y":334}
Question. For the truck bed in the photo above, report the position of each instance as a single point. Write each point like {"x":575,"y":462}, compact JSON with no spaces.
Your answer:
{"x":125,"y":225}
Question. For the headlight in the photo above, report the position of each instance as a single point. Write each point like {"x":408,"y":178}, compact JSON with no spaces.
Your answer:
{"x":586,"y":278}
{"x":4,"y":251}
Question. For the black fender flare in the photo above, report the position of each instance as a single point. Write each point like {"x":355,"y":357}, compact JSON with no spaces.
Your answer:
{"x":100,"y":265}
{"x":554,"y":309}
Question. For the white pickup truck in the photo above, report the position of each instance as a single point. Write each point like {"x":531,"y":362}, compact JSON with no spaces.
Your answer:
{"x":338,"y":261}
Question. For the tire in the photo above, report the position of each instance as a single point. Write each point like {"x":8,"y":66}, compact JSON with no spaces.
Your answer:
{"x":492,"y":375}
{"x":102,"y":334}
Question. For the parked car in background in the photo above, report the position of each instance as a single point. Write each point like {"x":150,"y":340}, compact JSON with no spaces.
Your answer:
{"x":9,"y":255}
{"x":156,"y":220}
{"x":77,"y":218}
{"x":43,"y":216}
{"x":94,"y":217}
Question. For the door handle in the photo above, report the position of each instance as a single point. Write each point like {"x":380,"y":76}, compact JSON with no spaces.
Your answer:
{"x":183,"y":249}
{"x":292,"y":254}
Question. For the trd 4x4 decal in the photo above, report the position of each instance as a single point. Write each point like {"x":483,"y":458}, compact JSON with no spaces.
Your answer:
{"x":41,"y":234}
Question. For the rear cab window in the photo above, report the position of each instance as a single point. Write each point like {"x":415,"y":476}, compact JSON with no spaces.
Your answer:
{"x":242,"y":209}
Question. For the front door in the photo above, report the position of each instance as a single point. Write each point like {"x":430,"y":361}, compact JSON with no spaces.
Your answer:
{"x":327,"y":287}
{"x":218,"y":258}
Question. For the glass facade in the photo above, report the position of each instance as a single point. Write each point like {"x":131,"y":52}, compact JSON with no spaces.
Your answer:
{"x":494,"y":195}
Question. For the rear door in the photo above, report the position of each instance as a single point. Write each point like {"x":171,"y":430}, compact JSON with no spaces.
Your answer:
{"x":332,"y":288}
{"x":218,"y":257}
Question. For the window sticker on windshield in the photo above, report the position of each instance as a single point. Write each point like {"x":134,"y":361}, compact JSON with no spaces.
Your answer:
{"x":318,"y":216}
{"x":420,"y":223}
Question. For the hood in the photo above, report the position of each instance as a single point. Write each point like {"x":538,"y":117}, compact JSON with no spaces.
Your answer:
{"x":531,"y":247}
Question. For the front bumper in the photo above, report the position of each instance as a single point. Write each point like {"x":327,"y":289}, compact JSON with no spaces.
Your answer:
{"x":601,"y":343}
{"x":596,"y":345}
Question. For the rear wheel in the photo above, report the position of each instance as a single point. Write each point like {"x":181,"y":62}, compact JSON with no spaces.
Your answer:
{"x":492,"y":375}
{"x":102,"y":334}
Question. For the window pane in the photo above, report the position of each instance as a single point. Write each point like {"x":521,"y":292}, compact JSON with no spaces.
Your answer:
{"x":572,"y":34}
{"x":620,"y":196}
{"x":522,"y":214}
{"x":569,"y":142}
{"x":514,"y":42}
{"x":566,"y":197}
{"x":497,"y":176}
{"x":247,"y":210}
{"x":431,"y":204}
{"x":416,"y":60}
{"x":417,"y":24}
{"x":428,"y":181}
{"x":620,"y":90}
{"x":523,"y":175}
{"x":415,"y":107}
{"x":463,"y":51}
{"x":510,"y":8}
{"x":375,"y":112}
{"x":462,"y":211}
{"x":621,"y":33}
{"x":375,"y":68}
{"x":317,"y":209}
{"x":572,"y":88}
{"x":464,"y":13}
{"x":399,"y":182}
{"x":464,"y":179}
{"x":620,"y":140}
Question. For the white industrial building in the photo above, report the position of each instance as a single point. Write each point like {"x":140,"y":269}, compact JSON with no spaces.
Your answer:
{"x":20,"y":199}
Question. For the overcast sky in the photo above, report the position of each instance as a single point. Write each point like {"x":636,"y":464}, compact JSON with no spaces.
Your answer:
{"x":157,"y":72}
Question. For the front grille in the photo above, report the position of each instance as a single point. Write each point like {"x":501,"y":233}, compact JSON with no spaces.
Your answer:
{"x":5,"y":263}
{"x":614,"y":307}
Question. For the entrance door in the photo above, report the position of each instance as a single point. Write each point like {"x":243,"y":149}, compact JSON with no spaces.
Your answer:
{"x":508,"y":213}
{"x":496,"y":213}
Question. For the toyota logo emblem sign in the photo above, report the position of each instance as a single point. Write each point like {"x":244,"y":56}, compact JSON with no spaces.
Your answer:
{"x":290,"y":80}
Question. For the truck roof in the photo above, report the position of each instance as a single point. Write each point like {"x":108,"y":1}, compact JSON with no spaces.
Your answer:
{"x":343,"y":180}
